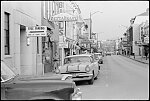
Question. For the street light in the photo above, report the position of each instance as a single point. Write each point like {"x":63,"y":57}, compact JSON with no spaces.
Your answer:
{"x":91,"y":24}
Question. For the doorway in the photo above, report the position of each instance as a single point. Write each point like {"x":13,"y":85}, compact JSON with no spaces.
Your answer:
{"x":25,"y":53}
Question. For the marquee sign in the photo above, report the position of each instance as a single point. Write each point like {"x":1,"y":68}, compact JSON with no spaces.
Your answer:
{"x":63,"y":17}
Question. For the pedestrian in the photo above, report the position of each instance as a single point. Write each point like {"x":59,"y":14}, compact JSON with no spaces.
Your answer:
{"x":68,"y":54}
{"x":74,"y":53}
{"x":55,"y":61}
{"x":146,"y":54}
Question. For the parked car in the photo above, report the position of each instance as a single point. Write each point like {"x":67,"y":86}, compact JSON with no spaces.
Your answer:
{"x":99,"y":57}
{"x":51,"y":86}
{"x":81,"y":67}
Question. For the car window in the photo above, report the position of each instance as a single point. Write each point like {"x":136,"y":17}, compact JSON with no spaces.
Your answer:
{"x":77,"y":59}
{"x":6,"y":72}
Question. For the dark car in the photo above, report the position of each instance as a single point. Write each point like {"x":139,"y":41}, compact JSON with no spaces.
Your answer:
{"x":51,"y":86}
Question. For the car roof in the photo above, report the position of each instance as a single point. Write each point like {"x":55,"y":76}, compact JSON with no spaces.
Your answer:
{"x":78,"y":55}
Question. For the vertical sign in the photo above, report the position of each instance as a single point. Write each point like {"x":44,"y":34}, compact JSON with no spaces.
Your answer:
{"x":61,"y":28}
{"x":61,"y":6}
{"x":61,"y":31}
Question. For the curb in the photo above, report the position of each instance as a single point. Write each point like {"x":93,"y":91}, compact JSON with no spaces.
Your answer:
{"x":136,"y":60}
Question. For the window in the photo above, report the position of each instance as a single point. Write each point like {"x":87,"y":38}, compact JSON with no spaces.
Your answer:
{"x":43,"y":43}
{"x":6,"y":34}
{"x":37,"y":45}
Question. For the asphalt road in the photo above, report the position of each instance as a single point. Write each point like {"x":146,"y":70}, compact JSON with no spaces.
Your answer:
{"x":119,"y":78}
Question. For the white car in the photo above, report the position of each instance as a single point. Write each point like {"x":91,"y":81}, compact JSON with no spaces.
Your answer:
{"x":81,"y":67}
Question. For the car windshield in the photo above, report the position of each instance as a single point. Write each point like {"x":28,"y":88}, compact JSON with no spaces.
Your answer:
{"x":77,"y":59}
{"x":6,"y":72}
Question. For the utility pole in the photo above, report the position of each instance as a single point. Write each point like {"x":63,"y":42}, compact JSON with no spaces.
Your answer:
{"x":90,"y":29}
{"x":91,"y":25}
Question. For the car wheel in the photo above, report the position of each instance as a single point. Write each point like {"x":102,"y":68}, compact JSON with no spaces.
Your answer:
{"x":92,"y":80}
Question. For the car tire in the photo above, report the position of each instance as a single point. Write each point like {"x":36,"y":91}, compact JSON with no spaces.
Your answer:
{"x":92,"y":80}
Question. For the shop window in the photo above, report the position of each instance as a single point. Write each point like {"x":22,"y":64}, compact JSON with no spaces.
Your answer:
{"x":6,"y":34}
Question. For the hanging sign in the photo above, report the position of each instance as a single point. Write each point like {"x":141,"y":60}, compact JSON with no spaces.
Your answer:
{"x":35,"y":31}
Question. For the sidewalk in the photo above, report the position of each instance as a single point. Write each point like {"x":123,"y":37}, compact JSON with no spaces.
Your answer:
{"x":139,"y":59}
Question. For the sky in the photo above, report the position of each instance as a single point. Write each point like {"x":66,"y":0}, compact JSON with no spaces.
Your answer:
{"x":113,"y":17}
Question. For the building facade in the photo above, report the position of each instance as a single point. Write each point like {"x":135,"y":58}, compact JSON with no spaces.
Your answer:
{"x":138,"y":30}
{"x":16,"y":16}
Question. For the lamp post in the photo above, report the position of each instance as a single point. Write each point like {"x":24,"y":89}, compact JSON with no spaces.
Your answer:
{"x":91,"y":25}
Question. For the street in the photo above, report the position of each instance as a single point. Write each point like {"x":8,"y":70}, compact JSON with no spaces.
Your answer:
{"x":119,"y":78}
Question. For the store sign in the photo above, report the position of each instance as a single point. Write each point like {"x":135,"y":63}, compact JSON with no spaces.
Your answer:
{"x":61,"y":28}
{"x":35,"y":31}
{"x":63,"y":17}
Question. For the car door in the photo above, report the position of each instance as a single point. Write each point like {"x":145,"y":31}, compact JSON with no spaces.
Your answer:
{"x":95,"y":65}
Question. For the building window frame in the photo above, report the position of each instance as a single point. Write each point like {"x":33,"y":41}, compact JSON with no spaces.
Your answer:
{"x":6,"y":33}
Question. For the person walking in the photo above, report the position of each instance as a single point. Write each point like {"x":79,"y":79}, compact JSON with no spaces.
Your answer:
{"x":55,"y":61}
{"x":146,"y":54}
{"x":74,"y":53}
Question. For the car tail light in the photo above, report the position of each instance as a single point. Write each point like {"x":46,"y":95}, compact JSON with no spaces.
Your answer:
{"x":87,"y":68}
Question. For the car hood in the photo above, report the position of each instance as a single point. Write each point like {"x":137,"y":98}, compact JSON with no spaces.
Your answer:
{"x":27,"y":87}
{"x":73,"y":67}
{"x":47,"y":76}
